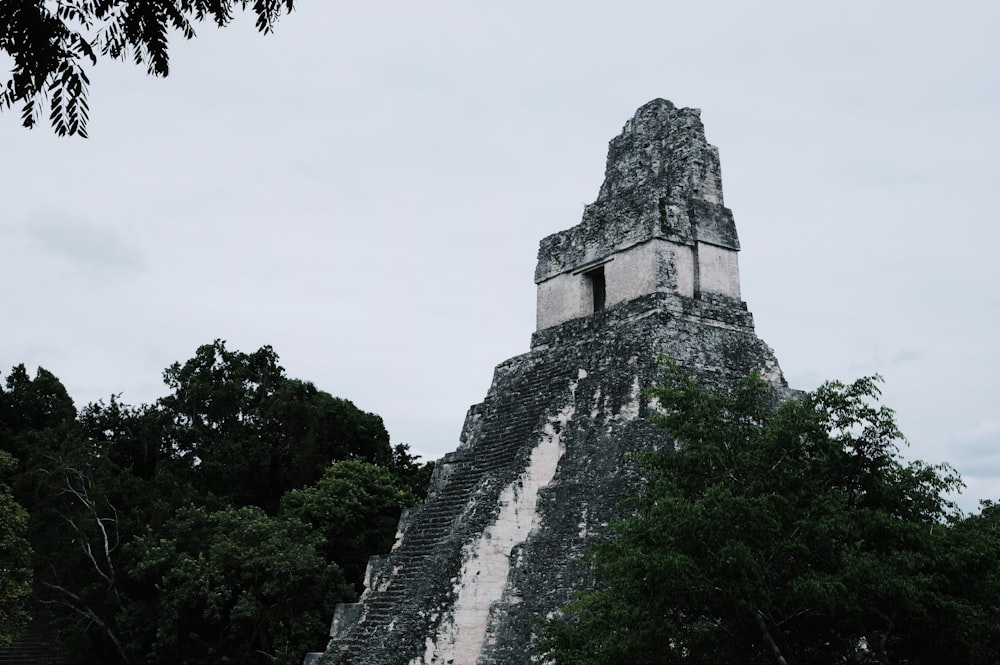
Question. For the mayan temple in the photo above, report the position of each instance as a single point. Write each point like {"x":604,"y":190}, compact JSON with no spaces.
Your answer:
{"x":651,"y":270}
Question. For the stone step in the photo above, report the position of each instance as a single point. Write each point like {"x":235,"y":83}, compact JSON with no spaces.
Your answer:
{"x":510,"y":424}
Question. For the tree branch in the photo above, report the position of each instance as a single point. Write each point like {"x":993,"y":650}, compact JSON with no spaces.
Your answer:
{"x":105,"y":568}
{"x":766,"y":634}
{"x":81,"y":608}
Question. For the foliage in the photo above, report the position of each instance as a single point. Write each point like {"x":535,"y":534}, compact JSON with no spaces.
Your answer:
{"x":235,"y":586}
{"x":250,"y":434}
{"x":131,"y":438}
{"x":15,"y":559}
{"x":411,"y":470}
{"x":356,"y":507}
{"x":52,"y":42}
{"x":34,"y":403}
{"x":788,"y":534}
{"x":156,"y":531}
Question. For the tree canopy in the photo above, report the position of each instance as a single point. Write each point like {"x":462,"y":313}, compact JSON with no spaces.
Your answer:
{"x":787,"y":535}
{"x":15,"y":558}
{"x":222,"y":523}
{"x":53,"y":42}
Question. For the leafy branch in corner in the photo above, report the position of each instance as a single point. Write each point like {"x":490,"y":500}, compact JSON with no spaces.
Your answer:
{"x":52,"y":42}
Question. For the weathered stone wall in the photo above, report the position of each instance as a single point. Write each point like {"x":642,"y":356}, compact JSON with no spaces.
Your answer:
{"x":656,"y":265}
{"x":563,"y":297}
{"x":658,"y":224}
{"x":538,"y":475}
{"x":718,"y":270}
{"x":662,"y":179}
{"x":541,"y":467}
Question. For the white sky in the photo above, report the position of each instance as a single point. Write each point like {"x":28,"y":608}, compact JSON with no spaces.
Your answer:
{"x":365,"y":190}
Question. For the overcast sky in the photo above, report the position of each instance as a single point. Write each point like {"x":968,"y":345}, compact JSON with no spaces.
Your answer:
{"x":365,"y":189}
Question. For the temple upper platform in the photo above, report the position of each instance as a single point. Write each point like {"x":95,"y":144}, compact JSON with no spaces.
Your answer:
{"x":658,"y":225}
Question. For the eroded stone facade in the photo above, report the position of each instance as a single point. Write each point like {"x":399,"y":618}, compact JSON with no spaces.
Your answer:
{"x":658,"y":225}
{"x":650,"y":271}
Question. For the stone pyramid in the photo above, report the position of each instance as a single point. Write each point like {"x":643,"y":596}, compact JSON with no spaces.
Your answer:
{"x":651,"y":270}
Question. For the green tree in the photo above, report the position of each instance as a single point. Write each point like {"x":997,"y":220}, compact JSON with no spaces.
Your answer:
{"x":249,"y":433}
{"x":29,"y":405}
{"x":970,"y":571}
{"x":356,"y":507}
{"x":786,"y":534}
{"x":15,"y":559}
{"x":134,"y":439}
{"x":156,"y":529}
{"x":409,"y":470}
{"x":235,"y":586}
{"x":74,"y":526}
{"x":53,"y":42}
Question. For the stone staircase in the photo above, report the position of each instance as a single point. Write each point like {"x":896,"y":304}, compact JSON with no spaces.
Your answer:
{"x":462,"y":498}
{"x":34,"y":648}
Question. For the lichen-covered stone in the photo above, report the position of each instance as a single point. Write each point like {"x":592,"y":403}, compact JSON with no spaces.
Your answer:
{"x":658,"y":224}
{"x":542,"y":466}
{"x":662,"y":180}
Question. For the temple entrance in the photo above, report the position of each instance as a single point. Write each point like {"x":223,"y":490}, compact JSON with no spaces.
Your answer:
{"x":598,"y":289}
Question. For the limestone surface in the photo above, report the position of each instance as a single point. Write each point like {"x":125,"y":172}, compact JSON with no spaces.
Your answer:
{"x":541,"y":469}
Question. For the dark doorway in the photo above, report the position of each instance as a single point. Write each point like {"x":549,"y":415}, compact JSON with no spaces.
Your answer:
{"x":597,"y":287}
